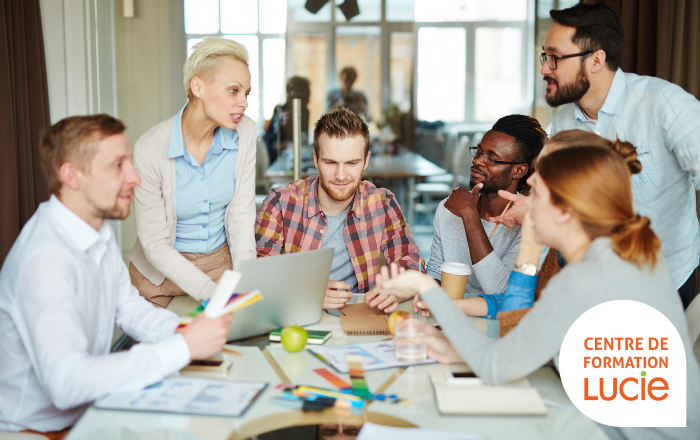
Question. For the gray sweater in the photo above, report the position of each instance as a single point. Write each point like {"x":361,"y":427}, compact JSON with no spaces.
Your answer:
{"x":600,"y":277}
{"x":490,"y":275}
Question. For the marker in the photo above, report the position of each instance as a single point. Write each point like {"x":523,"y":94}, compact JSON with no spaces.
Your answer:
{"x":356,"y":402}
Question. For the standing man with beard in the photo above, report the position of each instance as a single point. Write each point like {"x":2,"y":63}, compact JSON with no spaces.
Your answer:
{"x":502,"y":161}
{"x":580,"y":63}
{"x":339,"y":210}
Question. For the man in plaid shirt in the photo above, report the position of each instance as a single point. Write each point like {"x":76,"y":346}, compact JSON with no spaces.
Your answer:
{"x":339,"y":210}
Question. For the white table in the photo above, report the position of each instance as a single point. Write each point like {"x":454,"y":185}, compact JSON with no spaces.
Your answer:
{"x":562,"y":421}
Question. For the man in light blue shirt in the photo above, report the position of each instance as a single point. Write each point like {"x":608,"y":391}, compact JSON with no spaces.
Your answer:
{"x":580,"y":63}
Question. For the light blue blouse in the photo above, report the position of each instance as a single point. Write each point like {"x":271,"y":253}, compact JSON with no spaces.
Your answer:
{"x":203,"y":191}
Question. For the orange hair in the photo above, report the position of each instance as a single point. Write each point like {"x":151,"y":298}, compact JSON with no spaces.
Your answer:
{"x":594,"y":183}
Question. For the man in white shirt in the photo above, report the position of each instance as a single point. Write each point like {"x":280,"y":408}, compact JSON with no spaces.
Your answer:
{"x":64,"y":285}
{"x":580,"y":63}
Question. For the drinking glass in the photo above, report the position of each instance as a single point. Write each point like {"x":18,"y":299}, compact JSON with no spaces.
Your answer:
{"x":409,"y":347}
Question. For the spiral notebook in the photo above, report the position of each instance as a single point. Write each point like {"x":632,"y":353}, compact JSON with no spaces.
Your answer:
{"x":360,"y":319}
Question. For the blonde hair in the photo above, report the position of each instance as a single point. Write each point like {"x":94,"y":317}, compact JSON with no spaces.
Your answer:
{"x":206,"y":54}
{"x":340,"y":124}
{"x":594,"y":183}
{"x":73,"y":140}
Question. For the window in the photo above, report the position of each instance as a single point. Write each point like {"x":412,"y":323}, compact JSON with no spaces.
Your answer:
{"x":448,"y":60}
{"x":260,"y":26}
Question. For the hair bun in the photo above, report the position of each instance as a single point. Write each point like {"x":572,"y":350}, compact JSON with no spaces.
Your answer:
{"x":629,"y":155}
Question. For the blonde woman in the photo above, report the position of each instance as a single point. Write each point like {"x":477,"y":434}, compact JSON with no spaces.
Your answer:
{"x":195,"y":208}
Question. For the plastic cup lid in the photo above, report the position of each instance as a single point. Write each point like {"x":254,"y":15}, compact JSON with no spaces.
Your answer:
{"x":455,"y":268}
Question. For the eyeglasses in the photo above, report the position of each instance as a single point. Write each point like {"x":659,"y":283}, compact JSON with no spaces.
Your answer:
{"x":476,"y":153}
{"x":552,"y":59}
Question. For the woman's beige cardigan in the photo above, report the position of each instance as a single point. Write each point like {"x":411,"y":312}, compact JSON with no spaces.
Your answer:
{"x":154,"y":253}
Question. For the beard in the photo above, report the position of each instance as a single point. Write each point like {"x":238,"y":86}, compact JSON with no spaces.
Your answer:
{"x":340,"y":196}
{"x":492,"y":183}
{"x":572,"y":92}
{"x":114,"y":212}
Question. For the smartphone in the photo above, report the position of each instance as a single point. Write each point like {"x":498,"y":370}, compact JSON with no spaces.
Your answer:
{"x":207,"y":362}
{"x":462,"y":378}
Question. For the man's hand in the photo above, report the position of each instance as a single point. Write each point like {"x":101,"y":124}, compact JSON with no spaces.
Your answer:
{"x":515,"y":214}
{"x":205,"y":336}
{"x":336,"y":298}
{"x":463,"y":202}
{"x":385,"y":301}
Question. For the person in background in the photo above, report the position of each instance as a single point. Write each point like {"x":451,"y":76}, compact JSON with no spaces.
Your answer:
{"x":339,"y":210}
{"x":64,"y":285}
{"x":611,"y":253}
{"x":345,"y":96}
{"x":580,"y":63}
{"x":278,"y":130}
{"x":195,"y":210}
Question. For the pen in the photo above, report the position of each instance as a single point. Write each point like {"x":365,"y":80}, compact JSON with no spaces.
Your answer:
{"x":502,"y":214}
{"x":326,"y":393}
{"x":420,"y":269}
{"x":324,"y":360}
{"x":228,"y":350}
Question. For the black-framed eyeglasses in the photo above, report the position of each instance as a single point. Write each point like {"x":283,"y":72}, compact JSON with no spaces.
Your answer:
{"x":552,"y":59}
{"x":476,"y":153}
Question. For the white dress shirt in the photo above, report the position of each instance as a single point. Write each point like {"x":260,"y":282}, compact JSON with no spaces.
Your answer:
{"x":661,"y":120}
{"x":62,"y":287}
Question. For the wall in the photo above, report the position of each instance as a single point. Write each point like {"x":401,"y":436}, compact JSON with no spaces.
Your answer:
{"x":80,"y":62}
{"x":151,"y":49}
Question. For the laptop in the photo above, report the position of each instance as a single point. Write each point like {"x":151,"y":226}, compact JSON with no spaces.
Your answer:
{"x":293,"y":285}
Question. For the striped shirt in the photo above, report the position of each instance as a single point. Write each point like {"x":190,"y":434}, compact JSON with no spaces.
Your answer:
{"x":291,"y":220}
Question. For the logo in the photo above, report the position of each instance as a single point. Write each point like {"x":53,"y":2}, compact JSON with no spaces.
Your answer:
{"x":622,"y":363}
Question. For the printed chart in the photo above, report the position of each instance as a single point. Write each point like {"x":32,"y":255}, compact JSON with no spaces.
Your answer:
{"x":189,"y":396}
{"x":375,"y":356}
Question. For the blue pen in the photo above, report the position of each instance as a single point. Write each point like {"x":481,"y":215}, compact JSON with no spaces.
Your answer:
{"x":420,"y":269}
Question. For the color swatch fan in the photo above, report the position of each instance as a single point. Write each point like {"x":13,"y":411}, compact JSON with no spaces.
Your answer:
{"x":224,"y":300}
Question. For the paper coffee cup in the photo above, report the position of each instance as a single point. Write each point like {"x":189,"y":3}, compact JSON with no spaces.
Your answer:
{"x":454,"y":278}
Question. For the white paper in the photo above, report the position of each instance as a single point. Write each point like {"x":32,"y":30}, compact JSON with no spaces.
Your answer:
{"x":227,"y":285}
{"x":188,"y":396}
{"x":370,"y":431}
{"x":375,"y":356}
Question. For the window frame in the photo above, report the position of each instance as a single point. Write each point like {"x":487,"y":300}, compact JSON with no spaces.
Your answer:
{"x":328,"y":29}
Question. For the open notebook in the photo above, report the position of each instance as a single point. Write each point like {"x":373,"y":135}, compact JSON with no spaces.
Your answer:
{"x":360,"y":319}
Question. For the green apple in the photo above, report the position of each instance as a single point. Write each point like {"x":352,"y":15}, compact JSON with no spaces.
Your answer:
{"x":294,"y":338}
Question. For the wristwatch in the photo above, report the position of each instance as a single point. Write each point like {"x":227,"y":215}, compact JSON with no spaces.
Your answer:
{"x":527,"y":268}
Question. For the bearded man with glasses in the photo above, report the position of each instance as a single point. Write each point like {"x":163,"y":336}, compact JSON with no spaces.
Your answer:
{"x":581,"y":65}
{"x":502,"y":161}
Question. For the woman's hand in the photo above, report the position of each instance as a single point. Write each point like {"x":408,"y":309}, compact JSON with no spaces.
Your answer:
{"x":420,"y":305}
{"x":403,"y":284}
{"x":530,"y":250}
{"x":439,"y":347}
{"x":516,"y":213}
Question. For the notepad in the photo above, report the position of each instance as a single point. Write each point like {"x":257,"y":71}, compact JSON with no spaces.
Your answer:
{"x":360,"y":319}
{"x":517,"y":398}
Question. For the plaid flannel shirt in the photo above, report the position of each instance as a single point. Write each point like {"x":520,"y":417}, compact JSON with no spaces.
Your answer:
{"x":291,"y":220}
